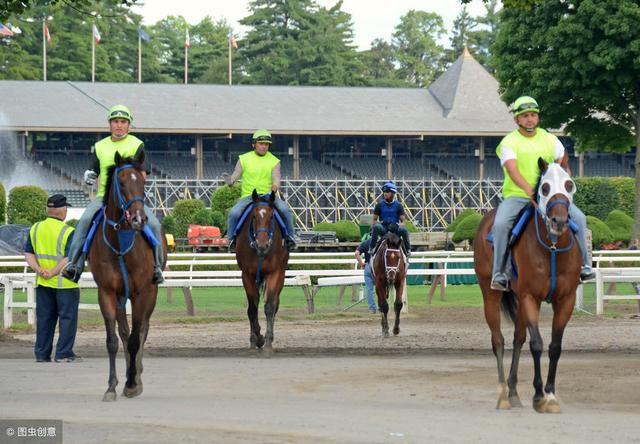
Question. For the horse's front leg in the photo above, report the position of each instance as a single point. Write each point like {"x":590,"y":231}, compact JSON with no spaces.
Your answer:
{"x":397,"y":306}
{"x":530,"y":310}
{"x":274,"y":284}
{"x":383,"y":295}
{"x":519,"y":337}
{"x":107,"y":301}
{"x":256,"y":340}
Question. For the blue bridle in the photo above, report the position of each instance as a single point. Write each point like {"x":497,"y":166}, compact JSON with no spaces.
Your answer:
{"x":253,"y":233}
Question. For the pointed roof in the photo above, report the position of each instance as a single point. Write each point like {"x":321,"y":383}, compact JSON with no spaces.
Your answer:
{"x":466,"y":91}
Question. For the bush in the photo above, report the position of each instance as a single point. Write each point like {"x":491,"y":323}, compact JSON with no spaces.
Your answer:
{"x":600,"y":232}
{"x":347,"y":231}
{"x":219,"y":220}
{"x":169,"y":224}
{"x":224,"y":198}
{"x":595,"y":196}
{"x":467,"y":228}
{"x":621,"y":225}
{"x":411,"y":228}
{"x":626,"y":194}
{"x":203,"y":217}
{"x":27,"y":205}
{"x":184,"y":212}
{"x":3,"y":205}
{"x":453,"y":225}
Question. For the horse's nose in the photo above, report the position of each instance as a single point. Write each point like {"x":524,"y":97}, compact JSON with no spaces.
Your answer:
{"x":138,"y":220}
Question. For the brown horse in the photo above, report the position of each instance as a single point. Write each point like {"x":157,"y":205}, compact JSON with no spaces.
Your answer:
{"x":389,"y":268}
{"x":263,"y":259}
{"x":545,"y":236}
{"x":108,"y":258}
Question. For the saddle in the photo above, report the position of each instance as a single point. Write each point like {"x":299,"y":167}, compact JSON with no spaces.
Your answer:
{"x":247,"y":212}
{"x":125,"y":237}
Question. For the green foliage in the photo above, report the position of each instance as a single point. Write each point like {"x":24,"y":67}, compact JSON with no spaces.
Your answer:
{"x":621,"y":225}
{"x":625,"y":191}
{"x":411,"y":228}
{"x":184,"y":212}
{"x":454,"y":224}
{"x":219,"y":220}
{"x":27,"y":205}
{"x":600,"y":232}
{"x":225,"y":197}
{"x":210,"y":218}
{"x":594,"y":195}
{"x":467,"y":228}
{"x":72,"y":222}
{"x":346,"y":231}
{"x":3,"y":205}
{"x":169,"y":224}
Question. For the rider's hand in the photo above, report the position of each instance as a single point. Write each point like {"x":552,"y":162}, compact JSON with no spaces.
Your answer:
{"x":90,"y":177}
{"x":274,"y":188}
{"x":227,"y":179}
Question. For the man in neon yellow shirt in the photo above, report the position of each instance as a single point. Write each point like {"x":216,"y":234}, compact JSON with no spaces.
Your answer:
{"x":260,"y":170}
{"x":128,"y":145}
{"x":519,"y":152}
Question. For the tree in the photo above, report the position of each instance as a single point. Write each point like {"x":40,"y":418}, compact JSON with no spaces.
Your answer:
{"x":379,"y":64}
{"x":420,"y":57}
{"x":10,"y":8}
{"x":485,"y":35}
{"x":462,"y":35}
{"x":581,"y":60}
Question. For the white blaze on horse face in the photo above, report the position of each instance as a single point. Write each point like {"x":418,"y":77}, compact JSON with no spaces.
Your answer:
{"x":134,"y":177}
{"x":558,"y":182}
{"x":262,"y":212}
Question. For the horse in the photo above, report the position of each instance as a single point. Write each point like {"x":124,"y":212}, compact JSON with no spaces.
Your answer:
{"x":389,"y":268}
{"x":263,"y":259}
{"x":545,"y":244}
{"x":122,"y":271}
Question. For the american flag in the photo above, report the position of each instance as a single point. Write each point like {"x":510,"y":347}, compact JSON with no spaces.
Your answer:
{"x":96,"y":34}
{"x":187,"y":40}
{"x":4,"y":31}
{"x":47,"y":35}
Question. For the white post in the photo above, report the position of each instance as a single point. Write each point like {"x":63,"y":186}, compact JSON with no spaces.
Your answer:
{"x":186,"y":64}
{"x":229,"y":42}
{"x":44,"y":51}
{"x":31,"y":300}
{"x":139,"y":58}
{"x":8,"y":302}
{"x":93,"y":58}
{"x":599,"y":292}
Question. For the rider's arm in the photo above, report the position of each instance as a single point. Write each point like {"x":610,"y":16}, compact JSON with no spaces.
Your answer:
{"x":511,"y":166}
{"x":95,"y":163}
{"x":376,"y":213}
{"x":359,"y":257}
{"x":237,"y":173}
{"x":561,"y":156}
{"x":275,"y":177}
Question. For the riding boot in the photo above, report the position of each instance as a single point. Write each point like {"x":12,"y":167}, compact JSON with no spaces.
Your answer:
{"x":73,"y":270}
{"x":158,"y":260}
{"x":232,"y":245}
{"x":587,"y":273}
{"x":290,"y":243}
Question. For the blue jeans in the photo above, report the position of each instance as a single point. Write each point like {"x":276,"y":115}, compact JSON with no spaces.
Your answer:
{"x":505,"y":218}
{"x":84,"y":224}
{"x":54,"y":304}
{"x":236,"y":213}
{"x":380,"y":230}
{"x":369,"y":284}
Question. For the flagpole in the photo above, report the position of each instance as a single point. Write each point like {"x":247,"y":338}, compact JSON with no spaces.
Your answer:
{"x":229,"y":39}
{"x":139,"y":58}
{"x":44,"y":50}
{"x":186,"y":63}
{"x":93,"y":56}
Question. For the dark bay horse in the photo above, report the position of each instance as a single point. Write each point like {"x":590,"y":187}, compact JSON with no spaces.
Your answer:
{"x":545,"y":236}
{"x":263,"y":259}
{"x":389,"y":268}
{"x":110,"y":255}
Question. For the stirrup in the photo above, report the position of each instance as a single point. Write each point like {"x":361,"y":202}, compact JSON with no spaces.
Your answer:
{"x":290,"y":244}
{"x":72,"y":272}
{"x":500,"y":282}
{"x":232,"y":246}
{"x":157,"y":277}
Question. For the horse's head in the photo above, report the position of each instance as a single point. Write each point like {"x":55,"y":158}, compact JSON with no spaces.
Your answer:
{"x":393,"y":256}
{"x":126,"y":190}
{"x":262,"y":223}
{"x":555,"y":194}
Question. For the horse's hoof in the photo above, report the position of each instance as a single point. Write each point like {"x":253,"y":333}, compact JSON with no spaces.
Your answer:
{"x":109,"y":397}
{"x":260,"y":342}
{"x":267,"y":351}
{"x":552,"y":405}
{"x":385,"y":334}
{"x":503,"y":399}
{"x":515,"y":401}
{"x":396,"y":331}
{"x":539,"y":405}
{"x":132,"y":392}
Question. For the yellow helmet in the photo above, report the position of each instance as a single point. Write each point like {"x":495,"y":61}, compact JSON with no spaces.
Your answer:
{"x":120,"y":112}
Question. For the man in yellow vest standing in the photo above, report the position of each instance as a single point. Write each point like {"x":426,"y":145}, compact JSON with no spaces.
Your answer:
{"x":56,"y":298}
{"x":260,"y":170}
{"x":128,"y":145}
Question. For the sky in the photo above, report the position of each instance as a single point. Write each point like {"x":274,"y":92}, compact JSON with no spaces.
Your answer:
{"x":371,"y":18}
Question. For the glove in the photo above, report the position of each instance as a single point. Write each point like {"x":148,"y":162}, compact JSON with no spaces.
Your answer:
{"x":227,"y":179}
{"x":90,"y":177}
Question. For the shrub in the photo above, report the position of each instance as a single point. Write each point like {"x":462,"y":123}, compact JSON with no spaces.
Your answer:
{"x":27,"y":205}
{"x":452,"y":226}
{"x":3,"y":205}
{"x":169,"y":224}
{"x":203,"y":217}
{"x":626,"y":194}
{"x":347,"y":231}
{"x":224,"y":198}
{"x":411,"y":228}
{"x":600,"y":233}
{"x":467,"y":228}
{"x":219,"y":220}
{"x":183,"y":212}
{"x":324,"y":226}
{"x":595,"y":196}
{"x":620,"y":224}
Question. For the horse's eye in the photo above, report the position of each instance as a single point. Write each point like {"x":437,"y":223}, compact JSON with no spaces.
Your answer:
{"x":545,"y":189}
{"x":569,"y":186}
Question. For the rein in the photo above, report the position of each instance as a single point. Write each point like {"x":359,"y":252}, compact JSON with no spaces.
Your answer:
{"x":253,"y":233}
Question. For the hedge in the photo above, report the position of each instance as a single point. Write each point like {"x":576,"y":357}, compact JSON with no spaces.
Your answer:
{"x":346,"y":231}
{"x":621,"y":225}
{"x":3,"y":205}
{"x":600,"y":232}
{"x":467,"y":228}
{"x":169,"y":224}
{"x":184,"y":212}
{"x":411,"y":228}
{"x":596,"y":196}
{"x":452,"y":226}
{"x":224,"y":198}
{"x":27,"y":205}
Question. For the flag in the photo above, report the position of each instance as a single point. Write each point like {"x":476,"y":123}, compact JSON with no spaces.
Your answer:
{"x":187,"y":40}
{"x":47,"y":35}
{"x":4,"y":31}
{"x":143,"y":35}
{"x":233,"y":41}
{"x":96,"y":34}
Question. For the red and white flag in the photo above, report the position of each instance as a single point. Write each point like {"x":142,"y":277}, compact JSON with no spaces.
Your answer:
{"x":187,"y":40}
{"x":233,"y":41}
{"x":47,"y":34}
{"x":5,"y":31}
{"x":96,"y":34}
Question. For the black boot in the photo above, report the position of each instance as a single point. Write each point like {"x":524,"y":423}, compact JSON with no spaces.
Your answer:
{"x":232,"y":245}
{"x":500,"y":282}
{"x":73,"y":270}
{"x":158,"y":261}
{"x":290,"y":243}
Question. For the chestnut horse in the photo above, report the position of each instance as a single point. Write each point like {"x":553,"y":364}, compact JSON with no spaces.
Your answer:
{"x":389,"y":268}
{"x":263,"y":259}
{"x":545,"y":241}
{"x":123,"y":268}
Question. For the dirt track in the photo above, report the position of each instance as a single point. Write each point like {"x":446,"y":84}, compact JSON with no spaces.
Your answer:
{"x":333,"y":381}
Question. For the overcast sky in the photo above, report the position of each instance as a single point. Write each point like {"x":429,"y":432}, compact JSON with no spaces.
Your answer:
{"x":372,"y":18}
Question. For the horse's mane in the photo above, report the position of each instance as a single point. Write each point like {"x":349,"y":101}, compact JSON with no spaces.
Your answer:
{"x":129,"y":160}
{"x":393,"y":240}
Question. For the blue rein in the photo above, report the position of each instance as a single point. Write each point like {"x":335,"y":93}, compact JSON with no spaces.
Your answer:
{"x":253,"y":233}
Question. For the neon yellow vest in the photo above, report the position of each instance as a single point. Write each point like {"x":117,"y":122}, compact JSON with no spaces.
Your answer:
{"x":527,"y":150}
{"x":106,"y":151}
{"x":49,"y":240}
{"x":256,"y":172}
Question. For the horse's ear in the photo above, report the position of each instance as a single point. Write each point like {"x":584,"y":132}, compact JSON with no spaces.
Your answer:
{"x":117,"y":159}
{"x":542,"y":164}
{"x":255,"y":196}
{"x":272,"y":197}
{"x":140,"y":156}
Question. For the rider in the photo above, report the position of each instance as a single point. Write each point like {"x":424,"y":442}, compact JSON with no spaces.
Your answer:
{"x":128,"y":145}
{"x":519,"y":152}
{"x":389,"y":211}
{"x":260,"y":170}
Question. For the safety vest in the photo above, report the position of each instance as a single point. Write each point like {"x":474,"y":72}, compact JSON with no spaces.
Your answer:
{"x":527,"y":151}
{"x":256,"y":172}
{"x":106,"y":151}
{"x":49,"y":240}
{"x":389,"y":211}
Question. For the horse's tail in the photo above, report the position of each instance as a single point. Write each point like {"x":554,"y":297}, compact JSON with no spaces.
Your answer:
{"x":509,"y":305}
